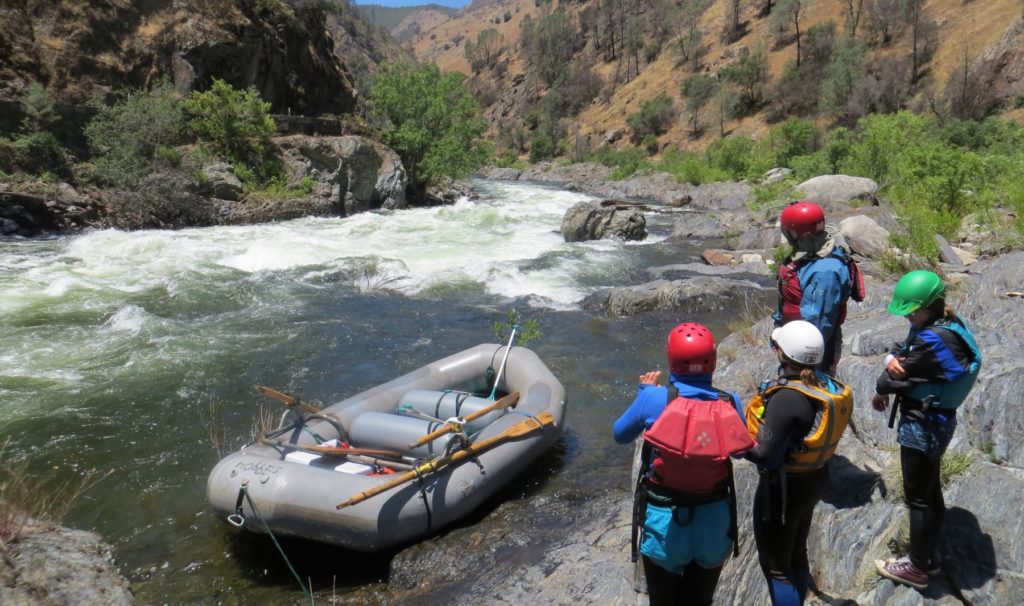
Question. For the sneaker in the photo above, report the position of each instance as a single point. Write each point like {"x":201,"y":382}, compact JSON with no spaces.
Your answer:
{"x":902,"y":570}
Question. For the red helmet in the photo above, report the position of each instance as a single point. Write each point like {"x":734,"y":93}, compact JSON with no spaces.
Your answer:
{"x":802,"y":219}
{"x":691,"y":349}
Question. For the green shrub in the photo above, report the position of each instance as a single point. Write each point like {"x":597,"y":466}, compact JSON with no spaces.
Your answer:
{"x":233,"y":123}
{"x":431,"y":119}
{"x":794,"y":137}
{"x":690,"y":167}
{"x":40,"y":152}
{"x":136,"y":133}
{"x":740,"y":157}
{"x":650,"y":144}
{"x":653,"y":118}
{"x":542,"y":147}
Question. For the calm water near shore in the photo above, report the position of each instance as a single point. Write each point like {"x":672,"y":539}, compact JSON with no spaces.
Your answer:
{"x":117,"y":348}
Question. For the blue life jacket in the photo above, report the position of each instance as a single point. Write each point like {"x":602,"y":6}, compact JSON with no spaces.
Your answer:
{"x":951,"y":394}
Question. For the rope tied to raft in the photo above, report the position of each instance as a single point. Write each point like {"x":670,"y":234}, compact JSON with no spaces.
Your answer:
{"x":238,"y":519}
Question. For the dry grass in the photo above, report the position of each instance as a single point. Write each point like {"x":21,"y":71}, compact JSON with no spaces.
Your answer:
{"x":743,"y":325}
{"x":263,"y":422}
{"x":29,"y":502}
{"x":215,"y":431}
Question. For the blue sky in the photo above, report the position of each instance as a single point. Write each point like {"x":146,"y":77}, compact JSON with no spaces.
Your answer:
{"x":394,"y":3}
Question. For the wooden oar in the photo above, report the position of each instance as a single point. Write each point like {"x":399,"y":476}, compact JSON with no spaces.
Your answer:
{"x":522,"y":428}
{"x":289,"y":401}
{"x":335,"y":451}
{"x":508,"y":401}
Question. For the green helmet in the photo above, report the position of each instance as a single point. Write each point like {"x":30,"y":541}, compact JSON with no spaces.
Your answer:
{"x":919,"y":288}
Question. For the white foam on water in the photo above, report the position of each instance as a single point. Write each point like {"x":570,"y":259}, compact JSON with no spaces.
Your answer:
{"x":130,"y":318}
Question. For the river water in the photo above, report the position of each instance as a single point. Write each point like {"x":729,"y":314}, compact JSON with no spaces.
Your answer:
{"x":135,"y":353}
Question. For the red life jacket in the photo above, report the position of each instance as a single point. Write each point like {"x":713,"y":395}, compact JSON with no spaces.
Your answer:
{"x":791,"y":292}
{"x":692,"y":441}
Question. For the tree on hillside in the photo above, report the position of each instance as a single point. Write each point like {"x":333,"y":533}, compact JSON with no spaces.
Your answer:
{"x":485,"y":52}
{"x":922,"y":32}
{"x":698,"y":89}
{"x":787,"y":16}
{"x":797,"y":89}
{"x":724,"y":106}
{"x":690,"y":34}
{"x":884,"y":20}
{"x":884,"y":89}
{"x":852,"y":10}
{"x":749,"y":74}
{"x":632,"y":45}
{"x":732,"y":30}
{"x":966,"y":95}
{"x":548,"y":44}
{"x":842,"y":73}
{"x":431,"y":119}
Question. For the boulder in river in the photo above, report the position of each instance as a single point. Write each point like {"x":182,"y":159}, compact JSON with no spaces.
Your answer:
{"x":589,"y":221}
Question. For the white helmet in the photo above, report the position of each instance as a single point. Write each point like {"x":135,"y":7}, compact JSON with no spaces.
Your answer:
{"x":800,"y":342}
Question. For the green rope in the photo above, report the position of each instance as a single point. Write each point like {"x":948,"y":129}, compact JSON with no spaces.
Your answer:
{"x":305,"y":592}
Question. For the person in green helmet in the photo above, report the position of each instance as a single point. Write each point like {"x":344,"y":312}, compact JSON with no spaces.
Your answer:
{"x":930,"y":372}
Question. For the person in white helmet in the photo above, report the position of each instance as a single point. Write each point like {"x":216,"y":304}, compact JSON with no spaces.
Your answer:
{"x":797,"y":420}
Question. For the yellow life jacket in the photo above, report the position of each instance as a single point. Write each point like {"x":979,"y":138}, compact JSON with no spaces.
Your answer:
{"x":833,"y":415}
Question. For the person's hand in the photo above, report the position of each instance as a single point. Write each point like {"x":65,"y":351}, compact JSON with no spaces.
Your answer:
{"x":650,"y":378}
{"x":895,"y":368}
{"x":879,"y":402}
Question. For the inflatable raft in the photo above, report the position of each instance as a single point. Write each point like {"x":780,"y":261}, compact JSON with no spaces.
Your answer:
{"x":443,"y":435}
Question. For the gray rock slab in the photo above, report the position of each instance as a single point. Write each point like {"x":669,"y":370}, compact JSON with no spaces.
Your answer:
{"x":696,"y":295}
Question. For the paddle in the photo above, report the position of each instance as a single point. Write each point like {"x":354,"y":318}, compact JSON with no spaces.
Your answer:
{"x":508,"y":348}
{"x":289,"y":401}
{"x":508,"y":401}
{"x":522,"y":428}
{"x":335,"y":451}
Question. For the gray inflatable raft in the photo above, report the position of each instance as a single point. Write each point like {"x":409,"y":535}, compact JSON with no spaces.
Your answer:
{"x":296,"y":492}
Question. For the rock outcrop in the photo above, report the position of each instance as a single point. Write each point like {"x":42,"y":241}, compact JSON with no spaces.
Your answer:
{"x":590,"y":221}
{"x":280,"y":49}
{"x":352,"y":174}
{"x":61,"y":567}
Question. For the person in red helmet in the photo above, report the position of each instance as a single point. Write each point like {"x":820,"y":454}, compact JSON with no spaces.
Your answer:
{"x":685,"y":507}
{"x":817,"y":279}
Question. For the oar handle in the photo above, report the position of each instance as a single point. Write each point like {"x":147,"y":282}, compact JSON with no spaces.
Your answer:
{"x":287,"y":400}
{"x":522,"y":428}
{"x":508,"y":401}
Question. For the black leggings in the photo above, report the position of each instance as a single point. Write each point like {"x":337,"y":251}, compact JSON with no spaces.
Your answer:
{"x":782,"y":545}
{"x":695,"y":587}
{"x":924,"y":499}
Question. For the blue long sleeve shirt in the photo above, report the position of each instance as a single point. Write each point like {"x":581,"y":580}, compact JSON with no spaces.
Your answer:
{"x":650,"y":402}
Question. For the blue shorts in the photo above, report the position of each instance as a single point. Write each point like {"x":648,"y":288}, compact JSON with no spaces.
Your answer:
{"x":675,"y":536}
{"x":931,"y":436}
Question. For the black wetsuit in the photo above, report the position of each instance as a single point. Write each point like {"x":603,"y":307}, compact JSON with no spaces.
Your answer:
{"x":925,"y":356}
{"x":782,"y":515}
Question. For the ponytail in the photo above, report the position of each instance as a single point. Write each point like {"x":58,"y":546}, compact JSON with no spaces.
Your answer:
{"x":810,"y":378}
